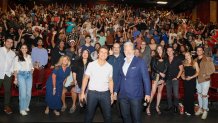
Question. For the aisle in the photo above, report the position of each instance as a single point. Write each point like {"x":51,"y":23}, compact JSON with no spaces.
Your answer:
{"x":37,"y":115}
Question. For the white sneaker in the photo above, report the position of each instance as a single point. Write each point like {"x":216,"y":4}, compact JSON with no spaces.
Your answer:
{"x":188,"y":114}
{"x":23,"y":113}
{"x":57,"y":113}
{"x":27,"y":109}
{"x":199,"y":112}
{"x":204,"y":116}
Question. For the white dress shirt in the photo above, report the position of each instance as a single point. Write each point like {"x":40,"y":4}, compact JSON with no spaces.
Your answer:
{"x":6,"y":62}
{"x":126,"y":65}
{"x":23,"y":65}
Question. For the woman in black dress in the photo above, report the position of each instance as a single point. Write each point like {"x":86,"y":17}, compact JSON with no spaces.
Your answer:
{"x":191,"y":70}
{"x":78,"y":70}
{"x":158,"y":70}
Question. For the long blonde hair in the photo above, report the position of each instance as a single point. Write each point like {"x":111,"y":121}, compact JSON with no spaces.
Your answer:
{"x":185,"y":62}
{"x":60,"y":62}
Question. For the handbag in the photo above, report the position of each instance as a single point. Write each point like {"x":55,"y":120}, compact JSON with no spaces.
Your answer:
{"x":69,"y":80}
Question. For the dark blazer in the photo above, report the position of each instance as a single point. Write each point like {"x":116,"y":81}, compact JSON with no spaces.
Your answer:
{"x":136,"y":84}
{"x":116,"y":63}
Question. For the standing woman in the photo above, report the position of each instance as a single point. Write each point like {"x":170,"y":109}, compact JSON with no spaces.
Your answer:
{"x":191,"y":70}
{"x":158,"y":68}
{"x":78,"y":72}
{"x":54,"y":85}
{"x":23,"y":69}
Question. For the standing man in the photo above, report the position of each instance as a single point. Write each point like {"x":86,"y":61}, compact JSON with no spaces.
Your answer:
{"x":100,"y":87}
{"x":174,"y":71}
{"x":116,"y":59}
{"x":134,"y":85}
{"x":203,"y":82}
{"x":6,"y":68}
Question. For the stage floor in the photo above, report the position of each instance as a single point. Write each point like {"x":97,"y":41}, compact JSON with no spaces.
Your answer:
{"x":37,"y":114}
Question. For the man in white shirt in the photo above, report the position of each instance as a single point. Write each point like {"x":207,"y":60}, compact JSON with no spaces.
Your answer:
{"x":100,"y":87}
{"x":6,"y":68}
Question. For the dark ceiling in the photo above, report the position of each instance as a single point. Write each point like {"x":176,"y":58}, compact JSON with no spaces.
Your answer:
{"x":176,"y":5}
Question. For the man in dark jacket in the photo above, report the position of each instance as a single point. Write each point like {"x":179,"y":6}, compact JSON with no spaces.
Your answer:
{"x":116,"y":59}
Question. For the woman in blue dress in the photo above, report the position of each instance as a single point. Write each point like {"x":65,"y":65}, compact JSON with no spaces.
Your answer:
{"x":54,"y":85}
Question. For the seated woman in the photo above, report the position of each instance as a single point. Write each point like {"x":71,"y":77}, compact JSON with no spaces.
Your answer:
{"x":54,"y":85}
{"x":78,"y":71}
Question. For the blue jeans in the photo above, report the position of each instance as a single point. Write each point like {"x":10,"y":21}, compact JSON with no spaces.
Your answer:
{"x":25,"y":88}
{"x":202,"y":91}
{"x":172,"y":85}
{"x":131,"y":110}
{"x":93,"y":99}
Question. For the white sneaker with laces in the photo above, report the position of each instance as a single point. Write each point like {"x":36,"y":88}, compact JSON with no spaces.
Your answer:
{"x":204,"y":116}
{"x":23,"y":113}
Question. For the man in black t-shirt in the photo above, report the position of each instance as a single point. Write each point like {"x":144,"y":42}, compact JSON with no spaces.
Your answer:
{"x":174,"y":71}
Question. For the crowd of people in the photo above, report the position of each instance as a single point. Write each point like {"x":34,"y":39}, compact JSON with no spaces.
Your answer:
{"x":107,"y":53}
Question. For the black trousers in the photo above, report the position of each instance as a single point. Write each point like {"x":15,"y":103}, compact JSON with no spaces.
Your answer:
{"x":7,"y":89}
{"x":189,"y":92}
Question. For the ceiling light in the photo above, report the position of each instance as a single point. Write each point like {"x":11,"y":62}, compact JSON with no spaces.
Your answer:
{"x":162,"y":2}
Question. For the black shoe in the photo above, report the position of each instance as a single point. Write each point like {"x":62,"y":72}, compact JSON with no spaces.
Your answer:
{"x":175,"y":110}
{"x":168,"y":109}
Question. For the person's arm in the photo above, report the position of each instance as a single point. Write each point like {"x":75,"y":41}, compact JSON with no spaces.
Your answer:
{"x":53,"y":38}
{"x":85,"y":80}
{"x":197,"y":70}
{"x":74,"y":78}
{"x":210,"y":66}
{"x":180,"y":72}
{"x":20,"y":35}
{"x":111,"y":84}
{"x":74,"y":70}
{"x":84,"y":85}
{"x":47,"y":41}
{"x":111,"y":87}
{"x":5,"y":25}
{"x":183,"y":75}
{"x":203,"y":29}
{"x":15,"y":70}
{"x":54,"y":83}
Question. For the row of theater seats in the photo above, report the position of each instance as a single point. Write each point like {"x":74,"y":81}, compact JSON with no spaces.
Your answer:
{"x":38,"y":88}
